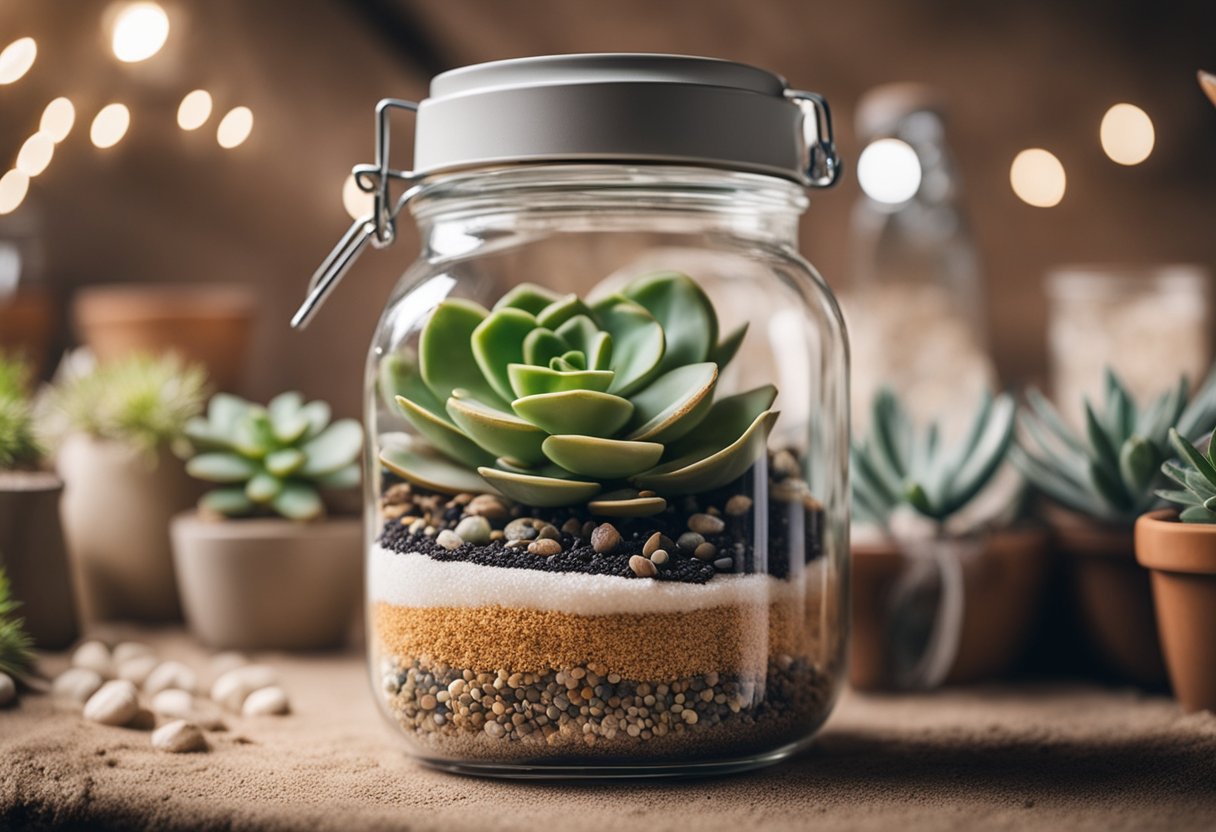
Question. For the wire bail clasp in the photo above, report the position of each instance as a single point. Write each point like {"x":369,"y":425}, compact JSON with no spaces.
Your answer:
{"x":378,"y":228}
{"x":823,"y":166}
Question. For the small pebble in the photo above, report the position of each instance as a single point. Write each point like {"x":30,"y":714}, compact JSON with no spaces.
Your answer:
{"x":221,"y":663}
{"x":144,"y":720}
{"x":548,"y":532}
{"x":448,"y":539}
{"x":115,"y":703}
{"x":76,"y":685}
{"x":173,"y":703}
{"x":588,"y":529}
{"x":488,"y":506}
{"x":706,"y":551}
{"x":521,"y":529}
{"x":642,"y":567}
{"x":657,"y":541}
{"x":572,"y":527}
{"x":475,"y":530}
{"x":605,"y":538}
{"x":95,"y":656}
{"x":706,"y":524}
{"x":688,"y":542}
{"x":738,"y":505}
{"x":659,"y":557}
{"x":8,"y":690}
{"x":647,"y":493}
{"x":723,"y":564}
{"x":785,"y":464}
{"x":179,"y":737}
{"x":127,"y":650}
{"x":546,"y":547}
{"x":136,"y":669}
{"x":171,"y":674}
{"x":231,"y":689}
{"x":269,"y":701}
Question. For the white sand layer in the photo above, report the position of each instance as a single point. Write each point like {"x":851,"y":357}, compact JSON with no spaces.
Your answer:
{"x":415,"y":580}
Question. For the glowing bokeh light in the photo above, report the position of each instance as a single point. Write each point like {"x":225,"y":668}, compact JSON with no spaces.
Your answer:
{"x":888,"y":170}
{"x":57,"y":119}
{"x":358,"y":203}
{"x":16,"y":59}
{"x":235,"y":127}
{"x":1127,"y":134}
{"x":35,"y":154}
{"x":1037,"y":177}
{"x":110,"y":125}
{"x":194,"y":110}
{"x":140,"y":30}
{"x":13,"y":186}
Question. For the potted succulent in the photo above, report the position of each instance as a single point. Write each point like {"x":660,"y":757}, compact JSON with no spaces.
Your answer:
{"x":259,"y":564}
{"x":1180,"y":550}
{"x":115,"y":425}
{"x":1097,"y":482}
{"x":948,"y":591}
{"x":32,"y":549}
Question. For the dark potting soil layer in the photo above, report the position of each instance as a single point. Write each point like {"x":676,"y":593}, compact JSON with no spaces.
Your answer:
{"x":585,"y":714}
{"x":795,"y":528}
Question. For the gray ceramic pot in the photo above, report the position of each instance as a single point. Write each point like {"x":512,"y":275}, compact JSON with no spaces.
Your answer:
{"x":265,"y":584}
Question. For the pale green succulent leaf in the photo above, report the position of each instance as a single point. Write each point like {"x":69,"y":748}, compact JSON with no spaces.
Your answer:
{"x":638,"y":342}
{"x":318,"y":414}
{"x":581,"y":333}
{"x":229,"y":502}
{"x":1189,"y":453}
{"x":892,"y":433}
{"x":400,"y":376}
{"x":445,"y":435}
{"x":285,"y":462}
{"x":500,"y":432}
{"x":529,"y":297}
{"x":683,"y":310}
{"x":498,"y":342}
{"x":336,"y":446}
{"x":1103,"y":450}
{"x":562,"y":310}
{"x":603,"y":459}
{"x":263,"y":487}
{"x":221,"y":467}
{"x":1120,"y":410}
{"x":694,"y":473}
{"x":445,"y":352}
{"x":988,"y":452}
{"x":1197,"y":484}
{"x":1199,"y":417}
{"x":1175,"y":471}
{"x":1047,"y":415}
{"x":728,"y":347}
{"x":288,"y":421}
{"x":726,"y":421}
{"x":1184,"y":498}
{"x":204,"y":436}
{"x":626,"y":503}
{"x":673,"y":404}
{"x":1079,"y":497}
{"x":1197,"y":514}
{"x":297,"y":501}
{"x":1139,"y":463}
{"x":343,"y":478}
{"x":1109,"y":487}
{"x":538,"y":490}
{"x":530,"y":381}
{"x":541,"y":345}
{"x":225,"y":411}
{"x":417,"y":462}
{"x":575,"y":359}
{"x":585,"y":412}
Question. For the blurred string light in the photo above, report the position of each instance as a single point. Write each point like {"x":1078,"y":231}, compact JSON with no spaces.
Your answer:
{"x":140,"y":30}
{"x":194,"y":110}
{"x":16,"y":59}
{"x":35,"y":154}
{"x":1037,"y":178}
{"x":109,"y":125}
{"x":888,"y":170}
{"x":13,"y":186}
{"x":235,"y":127}
{"x":57,"y":119}
{"x":357,"y":202}
{"x":1127,"y":134}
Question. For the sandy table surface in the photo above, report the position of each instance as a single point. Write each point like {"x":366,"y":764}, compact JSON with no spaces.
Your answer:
{"x":1031,"y":757}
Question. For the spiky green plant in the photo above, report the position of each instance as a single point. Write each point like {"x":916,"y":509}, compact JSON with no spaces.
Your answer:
{"x":275,"y":458}
{"x":144,"y":401}
{"x":1196,"y":473}
{"x":896,"y":466}
{"x":1111,"y":471}
{"x":16,"y":645}
{"x":553,"y":400}
{"x":19,"y":447}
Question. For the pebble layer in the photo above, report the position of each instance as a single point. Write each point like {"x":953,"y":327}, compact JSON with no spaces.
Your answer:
{"x":588,"y":712}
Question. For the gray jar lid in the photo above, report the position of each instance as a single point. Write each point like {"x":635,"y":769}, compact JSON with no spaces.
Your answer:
{"x":624,"y":107}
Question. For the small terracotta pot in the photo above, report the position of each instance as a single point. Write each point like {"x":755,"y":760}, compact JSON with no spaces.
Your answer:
{"x":116,"y":509}
{"x":1182,"y":557}
{"x":1112,"y":596}
{"x":269,"y":584}
{"x":35,"y":557}
{"x":1002,"y":584}
{"x":205,"y":324}
{"x":27,"y":322}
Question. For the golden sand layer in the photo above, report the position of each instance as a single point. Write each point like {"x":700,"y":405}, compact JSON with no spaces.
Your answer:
{"x":651,"y":646}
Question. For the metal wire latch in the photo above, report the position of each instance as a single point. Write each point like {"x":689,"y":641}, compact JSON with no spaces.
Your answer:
{"x":823,"y":166}
{"x":378,"y":228}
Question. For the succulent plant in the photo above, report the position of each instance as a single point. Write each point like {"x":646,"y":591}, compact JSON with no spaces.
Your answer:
{"x":275,"y":458}
{"x":1112,"y":471}
{"x":1196,"y":473}
{"x":142,"y":400}
{"x":894,"y":466}
{"x":19,"y":447}
{"x":16,"y":645}
{"x":552,"y":400}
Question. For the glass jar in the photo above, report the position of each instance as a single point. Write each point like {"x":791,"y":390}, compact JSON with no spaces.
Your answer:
{"x":606,"y":487}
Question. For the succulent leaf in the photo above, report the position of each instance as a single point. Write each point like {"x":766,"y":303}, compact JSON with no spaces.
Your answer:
{"x":603,"y":459}
{"x":1197,"y":514}
{"x":581,"y":333}
{"x":444,"y":434}
{"x":420,"y":464}
{"x":498,"y":342}
{"x":626,"y":503}
{"x":694,"y":473}
{"x":263,"y":487}
{"x":229,"y":502}
{"x":674,"y":403}
{"x":298,"y":501}
{"x":527,"y":380}
{"x":562,"y":310}
{"x":335,"y":447}
{"x":638,"y":342}
{"x":221,"y":467}
{"x":497,"y":431}
{"x":529,"y":297}
{"x":538,"y":490}
{"x":542,"y":346}
{"x":683,"y":310}
{"x":445,"y":352}
{"x":726,"y":349}
{"x":575,"y":411}
{"x":343,"y":478}
{"x":285,"y":462}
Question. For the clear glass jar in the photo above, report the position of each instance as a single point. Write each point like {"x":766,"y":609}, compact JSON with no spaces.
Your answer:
{"x":491,"y":658}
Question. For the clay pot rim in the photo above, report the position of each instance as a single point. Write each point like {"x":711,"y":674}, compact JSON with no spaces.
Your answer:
{"x":1084,"y":536}
{"x":29,"y":482}
{"x":264,"y":528}
{"x":1165,"y":543}
{"x":125,"y":302}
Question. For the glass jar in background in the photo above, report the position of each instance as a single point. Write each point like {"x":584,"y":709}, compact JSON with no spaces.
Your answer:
{"x":607,"y":407}
{"x":1149,"y":323}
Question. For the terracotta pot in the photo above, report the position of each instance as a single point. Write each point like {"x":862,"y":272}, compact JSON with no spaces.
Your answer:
{"x":1112,"y":596}
{"x":34,"y":557}
{"x":205,"y":324}
{"x":117,"y":506}
{"x":1182,"y":557}
{"x":27,"y":322}
{"x":1002,"y":584}
{"x":269,"y":584}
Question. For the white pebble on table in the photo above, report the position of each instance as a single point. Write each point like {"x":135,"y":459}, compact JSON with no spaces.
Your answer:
{"x":221,"y":663}
{"x":136,"y":669}
{"x":173,"y":703}
{"x":95,"y":656}
{"x":126,"y":650}
{"x":115,"y":703}
{"x":168,"y":675}
{"x":76,"y":685}
{"x":231,"y":689}
{"x":8,"y":689}
{"x":270,"y":701}
{"x":179,"y":737}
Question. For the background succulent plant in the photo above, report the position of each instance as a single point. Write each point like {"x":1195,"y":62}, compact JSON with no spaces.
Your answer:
{"x":272,"y":459}
{"x":1112,"y":470}
{"x":19,"y":448}
{"x":1196,"y":473}
{"x":895,"y":466}
{"x":552,"y":400}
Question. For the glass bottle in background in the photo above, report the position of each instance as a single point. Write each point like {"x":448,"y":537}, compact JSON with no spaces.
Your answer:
{"x":915,"y":309}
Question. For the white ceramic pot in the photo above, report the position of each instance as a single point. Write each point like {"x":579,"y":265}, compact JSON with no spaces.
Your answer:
{"x":262,"y":584}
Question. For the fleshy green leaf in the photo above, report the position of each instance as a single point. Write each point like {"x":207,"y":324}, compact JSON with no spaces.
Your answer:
{"x":298,"y":501}
{"x":221,"y":467}
{"x":673,"y":404}
{"x":335,"y":447}
{"x":626,"y":503}
{"x":230,"y":502}
{"x":581,"y":333}
{"x":499,"y":432}
{"x":444,"y":435}
{"x":263,"y":487}
{"x":604,"y":459}
{"x":690,"y":325}
{"x":1197,"y":514}
{"x":529,"y":297}
{"x":584,"y":412}
{"x":445,"y":352}
{"x":1188,"y":452}
{"x":728,"y":347}
{"x":541,"y":345}
{"x":288,"y":421}
{"x":420,"y":464}
{"x":1139,"y":462}
{"x":694,"y":473}
{"x":400,"y":376}
{"x":285,"y":462}
{"x":498,"y":342}
{"x":637,"y":343}
{"x":561,"y":310}
{"x":318,"y":414}
{"x":726,"y":421}
{"x":541,"y":491}
{"x":530,"y":381}
{"x":343,"y":478}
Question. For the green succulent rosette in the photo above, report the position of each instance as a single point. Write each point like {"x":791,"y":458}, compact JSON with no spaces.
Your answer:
{"x":552,"y":400}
